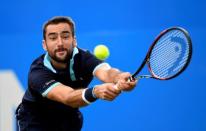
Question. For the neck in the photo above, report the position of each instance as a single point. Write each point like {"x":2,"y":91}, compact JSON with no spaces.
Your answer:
{"x":58,"y":65}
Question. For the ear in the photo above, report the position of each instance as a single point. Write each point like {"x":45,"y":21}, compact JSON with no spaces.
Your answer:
{"x":44,"y":45}
{"x":75,"y":42}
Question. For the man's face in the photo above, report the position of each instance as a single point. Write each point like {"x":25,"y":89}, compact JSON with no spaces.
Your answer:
{"x":59,"y":42}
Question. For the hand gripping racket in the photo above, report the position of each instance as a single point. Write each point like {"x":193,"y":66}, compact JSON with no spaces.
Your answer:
{"x":168,"y":56}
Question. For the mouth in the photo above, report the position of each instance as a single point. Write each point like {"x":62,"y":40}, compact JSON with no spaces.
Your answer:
{"x":60,"y":51}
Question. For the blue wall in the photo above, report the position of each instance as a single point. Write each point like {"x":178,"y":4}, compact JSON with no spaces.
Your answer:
{"x":127,"y":27}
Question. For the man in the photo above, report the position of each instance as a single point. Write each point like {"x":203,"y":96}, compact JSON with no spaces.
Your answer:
{"x":58,"y":82}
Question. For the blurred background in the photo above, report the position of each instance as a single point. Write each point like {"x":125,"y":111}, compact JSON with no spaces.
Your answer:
{"x":127,"y":27}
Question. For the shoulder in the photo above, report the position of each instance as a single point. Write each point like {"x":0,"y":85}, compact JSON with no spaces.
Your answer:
{"x":84,"y":52}
{"x":86,"y":60}
{"x":38,"y":64}
{"x":38,"y":61}
{"x":85,"y":55}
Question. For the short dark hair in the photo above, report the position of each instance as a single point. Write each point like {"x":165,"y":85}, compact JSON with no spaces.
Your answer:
{"x":57,"y":20}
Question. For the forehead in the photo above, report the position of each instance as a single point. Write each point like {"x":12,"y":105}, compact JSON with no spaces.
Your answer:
{"x":58,"y":28}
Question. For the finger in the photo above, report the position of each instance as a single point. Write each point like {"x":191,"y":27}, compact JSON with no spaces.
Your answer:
{"x":131,"y":79}
{"x":112,"y":94}
{"x":116,"y":89}
{"x":134,"y":83}
{"x":108,"y":96}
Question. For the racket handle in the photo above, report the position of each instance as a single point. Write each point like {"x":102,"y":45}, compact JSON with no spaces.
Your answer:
{"x":131,"y":79}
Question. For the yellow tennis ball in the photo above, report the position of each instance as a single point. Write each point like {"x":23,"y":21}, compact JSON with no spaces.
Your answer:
{"x":101,"y":52}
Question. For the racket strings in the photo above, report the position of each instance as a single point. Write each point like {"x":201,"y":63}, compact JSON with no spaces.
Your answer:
{"x":169,"y":55}
{"x":162,"y":52}
{"x":161,"y":69}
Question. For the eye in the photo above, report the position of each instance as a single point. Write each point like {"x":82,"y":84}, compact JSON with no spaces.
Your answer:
{"x":65,"y":36}
{"x":53,"y":37}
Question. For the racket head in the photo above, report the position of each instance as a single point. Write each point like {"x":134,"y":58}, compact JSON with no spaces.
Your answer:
{"x":170,"y":54}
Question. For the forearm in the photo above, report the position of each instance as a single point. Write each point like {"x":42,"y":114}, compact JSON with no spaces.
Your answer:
{"x":110,"y":75}
{"x":81,"y":97}
{"x":113,"y":75}
{"x":67,"y":96}
{"x":74,"y":99}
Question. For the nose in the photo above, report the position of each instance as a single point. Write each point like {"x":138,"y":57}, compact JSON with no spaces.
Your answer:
{"x":59,"y":42}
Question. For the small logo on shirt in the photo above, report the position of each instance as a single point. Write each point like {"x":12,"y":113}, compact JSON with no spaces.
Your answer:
{"x":49,"y":82}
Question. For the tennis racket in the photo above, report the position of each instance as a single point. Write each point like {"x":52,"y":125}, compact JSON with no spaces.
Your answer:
{"x":168,"y":56}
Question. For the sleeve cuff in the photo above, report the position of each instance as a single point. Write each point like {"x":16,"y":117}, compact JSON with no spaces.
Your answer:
{"x":106,"y":66}
{"x":44,"y":94}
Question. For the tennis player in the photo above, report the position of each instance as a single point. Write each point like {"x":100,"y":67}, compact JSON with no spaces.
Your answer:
{"x":58,"y":82}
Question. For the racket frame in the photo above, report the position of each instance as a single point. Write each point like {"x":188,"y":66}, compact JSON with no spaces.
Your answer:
{"x":147,"y":57}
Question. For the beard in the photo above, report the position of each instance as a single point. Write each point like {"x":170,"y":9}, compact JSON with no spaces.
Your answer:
{"x":61,"y":55}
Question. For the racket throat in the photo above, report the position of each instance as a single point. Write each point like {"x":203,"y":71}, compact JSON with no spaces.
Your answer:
{"x":144,"y":76}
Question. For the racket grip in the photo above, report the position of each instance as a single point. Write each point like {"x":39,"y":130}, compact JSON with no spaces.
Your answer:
{"x":131,"y":79}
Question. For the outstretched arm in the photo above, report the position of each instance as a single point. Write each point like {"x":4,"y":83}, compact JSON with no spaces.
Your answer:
{"x":74,"y":97}
{"x":107,"y":74}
